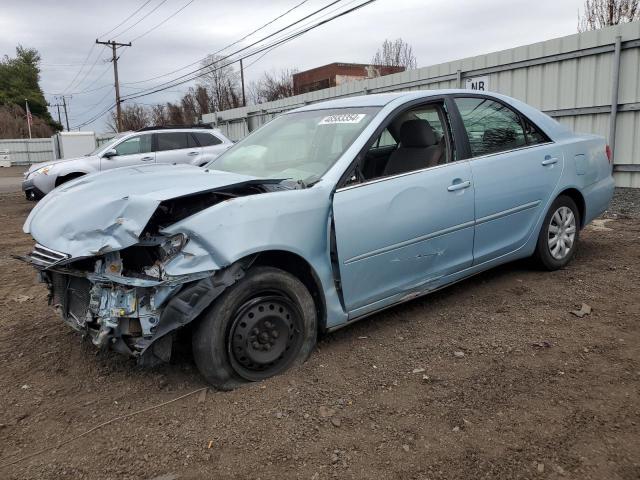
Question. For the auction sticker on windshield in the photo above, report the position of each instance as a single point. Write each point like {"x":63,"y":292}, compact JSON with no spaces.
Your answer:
{"x":342,"y":118}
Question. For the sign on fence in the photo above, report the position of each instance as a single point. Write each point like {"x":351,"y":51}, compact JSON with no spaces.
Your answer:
{"x":480,"y":84}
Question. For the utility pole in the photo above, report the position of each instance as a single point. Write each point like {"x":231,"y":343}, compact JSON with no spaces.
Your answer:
{"x":64,"y":105}
{"x":114,"y":45}
{"x":57,"y":105}
{"x":244,"y":101}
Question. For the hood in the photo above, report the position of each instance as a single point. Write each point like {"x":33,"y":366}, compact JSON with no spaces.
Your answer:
{"x":38,"y":165}
{"x":108,"y":211}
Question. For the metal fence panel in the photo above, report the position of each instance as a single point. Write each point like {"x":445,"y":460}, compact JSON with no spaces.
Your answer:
{"x":570,"y":78}
{"x":26,"y":151}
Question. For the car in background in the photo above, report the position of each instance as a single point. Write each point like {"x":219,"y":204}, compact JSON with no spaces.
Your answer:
{"x":325,"y":215}
{"x":176,"y":145}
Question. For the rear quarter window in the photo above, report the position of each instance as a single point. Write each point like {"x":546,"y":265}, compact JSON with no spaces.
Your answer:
{"x":207,"y":139}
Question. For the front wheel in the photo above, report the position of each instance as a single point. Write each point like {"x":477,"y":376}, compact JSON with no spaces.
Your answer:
{"x":257,"y":328}
{"x":559,"y":234}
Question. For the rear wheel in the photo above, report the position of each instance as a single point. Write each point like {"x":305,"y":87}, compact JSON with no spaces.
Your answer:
{"x":559,"y":234}
{"x":258,"y":328}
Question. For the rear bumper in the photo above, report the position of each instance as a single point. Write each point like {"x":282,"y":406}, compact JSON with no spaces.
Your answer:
{"x":598,"y":197}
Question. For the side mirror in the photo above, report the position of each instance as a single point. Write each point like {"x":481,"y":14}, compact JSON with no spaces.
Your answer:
{"x":110,"y":153}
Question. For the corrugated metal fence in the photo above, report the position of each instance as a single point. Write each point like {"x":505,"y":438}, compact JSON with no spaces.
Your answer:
{"x":589,"y":81}
{"x":26,"y":151}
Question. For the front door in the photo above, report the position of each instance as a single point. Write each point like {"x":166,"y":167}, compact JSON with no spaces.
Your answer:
{"x":396,"y":235}
{"x":134,"y":150}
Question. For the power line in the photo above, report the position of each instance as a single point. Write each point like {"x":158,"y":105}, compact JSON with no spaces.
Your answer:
{"x":93,"y":46}
{"x":266,"y":48}
{"x":304,"y":25}
{"x":80,"y":69}
{"x":250,"y":45}
{"x":125,"y":20}
{"x":164,"y":21}
{"x":222,"y":49}
{"x":77,"y":85}
{"x":175,"y":82}
{"x":141,"y":19}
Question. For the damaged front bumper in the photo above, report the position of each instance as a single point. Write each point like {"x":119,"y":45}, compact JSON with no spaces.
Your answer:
{"x":131,"y":315}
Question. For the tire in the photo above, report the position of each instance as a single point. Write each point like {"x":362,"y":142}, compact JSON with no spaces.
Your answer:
{"x":552,"y":256}
{"x":258,"y":328}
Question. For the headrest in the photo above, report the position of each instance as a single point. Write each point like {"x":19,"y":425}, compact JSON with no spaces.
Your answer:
{"x":417,"y":133}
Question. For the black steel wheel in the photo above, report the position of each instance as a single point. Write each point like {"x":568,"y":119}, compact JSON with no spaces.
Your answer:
{"x":265,"y":336}
{"x":258,"y":328}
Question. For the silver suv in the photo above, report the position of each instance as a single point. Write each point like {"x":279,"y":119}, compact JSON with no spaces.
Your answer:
{"x":195,"y":146}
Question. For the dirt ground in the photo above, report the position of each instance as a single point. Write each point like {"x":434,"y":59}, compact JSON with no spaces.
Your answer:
{"x":491,"y":378}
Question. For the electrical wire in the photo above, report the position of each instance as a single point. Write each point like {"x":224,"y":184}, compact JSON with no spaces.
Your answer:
{"x":164,"y":21}
{"x":141,"y":19}
{"x":264,"y":49}
{"x":177,"y":81}
{"x":248,"y":46}
{"x":222,"y":49}
{"x":125,"y":20}
{"x":80,"y":69}
{"x":100,"y":52}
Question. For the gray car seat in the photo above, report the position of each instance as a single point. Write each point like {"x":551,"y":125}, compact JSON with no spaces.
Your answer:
{"x":419,"y":148}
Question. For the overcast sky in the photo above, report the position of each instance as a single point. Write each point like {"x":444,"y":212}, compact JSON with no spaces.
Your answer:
{"x":64,"y":31}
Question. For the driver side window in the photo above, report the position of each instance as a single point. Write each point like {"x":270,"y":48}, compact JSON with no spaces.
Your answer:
{"x":413,"y":140}
{"x":133,"y":145}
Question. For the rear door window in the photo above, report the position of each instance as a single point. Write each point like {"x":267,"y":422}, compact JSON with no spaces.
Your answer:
{"x":491,"y":126}
{"x":174,"y":141}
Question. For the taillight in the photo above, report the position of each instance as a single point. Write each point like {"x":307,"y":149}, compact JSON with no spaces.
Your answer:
{"x":607,"y":150}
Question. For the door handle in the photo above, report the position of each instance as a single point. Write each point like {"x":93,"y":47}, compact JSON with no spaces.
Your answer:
{"x":192,"y":154}
{"x":146,"y":159}
{"x":549,"y":160}
{"x":459,"y":186}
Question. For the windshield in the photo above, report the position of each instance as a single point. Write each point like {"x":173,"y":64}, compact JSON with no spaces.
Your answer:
{"x":300,"y":146}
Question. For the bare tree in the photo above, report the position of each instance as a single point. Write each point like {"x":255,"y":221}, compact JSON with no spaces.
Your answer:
{"x":603,"y":13}
{"x":134,"y":117}
{"x":175,"y":115}
{"x":273,"y":86}
{"x":196,"y":102}
{"x":221,"y":82}
{"x":159,"y":115}
{"x":395,"y":53}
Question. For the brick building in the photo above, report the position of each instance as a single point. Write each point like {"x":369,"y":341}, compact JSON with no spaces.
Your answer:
{"x":336,"y":74}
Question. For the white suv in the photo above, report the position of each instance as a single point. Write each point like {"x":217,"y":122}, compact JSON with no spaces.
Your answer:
{"x":195,"y":146}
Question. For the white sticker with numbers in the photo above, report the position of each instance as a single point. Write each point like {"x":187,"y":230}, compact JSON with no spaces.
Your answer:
{"x":342,"y":118}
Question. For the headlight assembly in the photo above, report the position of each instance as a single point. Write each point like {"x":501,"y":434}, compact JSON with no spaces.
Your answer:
{"x":42,"y":170}
{"x":172,"y":246}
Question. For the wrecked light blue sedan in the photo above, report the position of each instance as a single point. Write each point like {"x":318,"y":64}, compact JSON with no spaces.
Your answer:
{"x":325,"y":215}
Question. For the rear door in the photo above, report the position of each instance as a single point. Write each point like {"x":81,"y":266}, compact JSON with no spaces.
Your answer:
{"x":212,"y":146}
{"x":177,"y":147}
{"x":515,"y":170}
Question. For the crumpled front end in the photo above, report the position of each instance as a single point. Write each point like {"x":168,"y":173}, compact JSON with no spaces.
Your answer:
{"x":125,"y":300}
